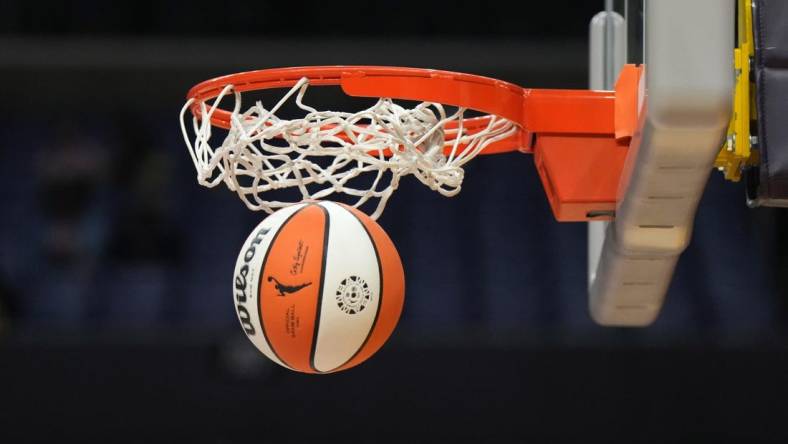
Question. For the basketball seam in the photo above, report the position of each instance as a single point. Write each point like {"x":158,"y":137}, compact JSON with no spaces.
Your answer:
{"x":260,"y":286}
{"x":380,"y":290}
{"x":318,"y":312}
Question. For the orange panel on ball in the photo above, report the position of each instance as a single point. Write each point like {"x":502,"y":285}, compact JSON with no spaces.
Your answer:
{"x":290,"y":286}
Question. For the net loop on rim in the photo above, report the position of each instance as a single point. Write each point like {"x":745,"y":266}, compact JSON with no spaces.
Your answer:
{"x":361,"y":154}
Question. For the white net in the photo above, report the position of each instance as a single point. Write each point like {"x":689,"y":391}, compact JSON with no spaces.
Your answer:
{"x":362,"y":154}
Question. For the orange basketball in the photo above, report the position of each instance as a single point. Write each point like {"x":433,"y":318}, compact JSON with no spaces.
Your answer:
{"x":318,"y":287}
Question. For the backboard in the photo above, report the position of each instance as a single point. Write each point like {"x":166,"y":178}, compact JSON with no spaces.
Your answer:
{"x":685,"y":105}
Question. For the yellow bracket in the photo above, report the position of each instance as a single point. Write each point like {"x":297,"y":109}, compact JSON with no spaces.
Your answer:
{"x":737,"y":152}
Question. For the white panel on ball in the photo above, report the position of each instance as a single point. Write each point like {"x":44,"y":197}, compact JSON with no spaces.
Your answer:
{"x":352,"y":274}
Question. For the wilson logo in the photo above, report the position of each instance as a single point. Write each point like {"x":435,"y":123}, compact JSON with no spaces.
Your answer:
{"x":242,"y":283}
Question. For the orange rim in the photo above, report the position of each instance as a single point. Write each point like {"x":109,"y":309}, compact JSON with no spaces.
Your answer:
{"x":466,"y":90}
{"x":533,"y":110}
{"x":582,"y":134}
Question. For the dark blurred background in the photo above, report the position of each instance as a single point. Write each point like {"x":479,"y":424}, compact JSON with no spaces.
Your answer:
{"x":116,"y":321}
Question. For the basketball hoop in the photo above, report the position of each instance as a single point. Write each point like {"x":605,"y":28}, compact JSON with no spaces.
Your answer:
{"x":322,"y":153}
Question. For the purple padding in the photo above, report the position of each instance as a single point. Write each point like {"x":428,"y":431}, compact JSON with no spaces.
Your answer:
{"x":771,"y":77}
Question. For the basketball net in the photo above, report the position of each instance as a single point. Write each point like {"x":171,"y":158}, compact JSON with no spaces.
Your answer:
{"x":362,"y":154}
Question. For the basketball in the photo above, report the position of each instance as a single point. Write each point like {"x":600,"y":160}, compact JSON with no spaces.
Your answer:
{"x":318,"y":287}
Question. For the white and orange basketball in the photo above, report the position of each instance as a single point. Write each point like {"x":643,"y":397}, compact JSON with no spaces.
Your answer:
{"x":318,"y":287}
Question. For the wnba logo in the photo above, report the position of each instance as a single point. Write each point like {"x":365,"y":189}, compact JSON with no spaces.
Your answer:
{"x":353,"y":294}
